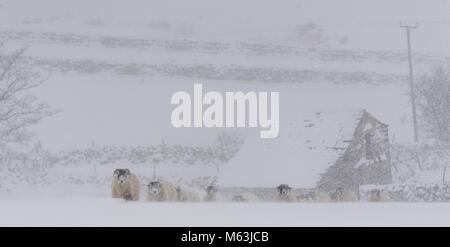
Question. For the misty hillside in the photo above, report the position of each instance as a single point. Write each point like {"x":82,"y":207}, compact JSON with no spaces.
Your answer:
{"x":112,"y":66}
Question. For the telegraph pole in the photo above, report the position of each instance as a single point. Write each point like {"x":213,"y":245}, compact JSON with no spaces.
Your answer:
{"x":411,"y":77}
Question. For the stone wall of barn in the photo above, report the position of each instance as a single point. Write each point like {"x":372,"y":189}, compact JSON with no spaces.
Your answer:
{"x":367,"y":159}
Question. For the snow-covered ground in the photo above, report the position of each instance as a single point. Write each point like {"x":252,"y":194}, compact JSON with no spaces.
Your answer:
{"x":114,"y":69}
{"x":112,"y":212}
{"x":128,"y":110}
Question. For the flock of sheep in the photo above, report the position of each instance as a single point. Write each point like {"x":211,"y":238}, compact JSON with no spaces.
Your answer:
{"x":127,"y":186}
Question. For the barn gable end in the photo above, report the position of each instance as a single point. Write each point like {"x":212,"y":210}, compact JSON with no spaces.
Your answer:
{"x":316,"y":149}
{"x":366,"y":160}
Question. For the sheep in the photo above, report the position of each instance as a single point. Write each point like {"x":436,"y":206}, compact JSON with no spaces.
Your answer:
{"x":314,"y":196}
{"x":306,"y":197}
{"x":284,"y":193}
{"x":211,"y":193}
{"x":378,"y":196}
{"x":184,"y":195}
{"x":239,"y":198}
{"x":125,"y":185}
{"x":321,"y":196}
{"x":161,"y":191}
{"x":341,"y":195}
{"x":244,"y":197}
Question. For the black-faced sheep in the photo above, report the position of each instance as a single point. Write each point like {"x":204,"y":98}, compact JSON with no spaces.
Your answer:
{"x":125,"y":185}
{"x":285,"y":193}
{"x":161,"y":191}
{"x":184,"y":195}
{"x":378,"y":196}
{"x":211,"y":193}
{"x":341,"y":195}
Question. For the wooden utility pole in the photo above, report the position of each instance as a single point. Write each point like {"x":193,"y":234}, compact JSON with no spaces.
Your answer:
{"x":411,"y":78}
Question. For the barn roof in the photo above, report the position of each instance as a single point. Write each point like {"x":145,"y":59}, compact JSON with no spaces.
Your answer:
{"x":308,"y":144}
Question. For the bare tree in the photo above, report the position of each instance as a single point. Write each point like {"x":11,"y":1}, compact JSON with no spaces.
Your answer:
{"x":227,"y":144}
{"x":18,"y":108}
{"x":410,"y":160}
{"x":434,"y":103}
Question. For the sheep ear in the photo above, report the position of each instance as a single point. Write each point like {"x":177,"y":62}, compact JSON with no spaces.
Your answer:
{"x":128,"y":171}
{"x":116,"y":171}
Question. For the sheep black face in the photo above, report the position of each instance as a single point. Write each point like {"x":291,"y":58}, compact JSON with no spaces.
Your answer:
{"x":211,"y":190}
{"x":121,"y":175}
{"x":283,"y":189}
{"x":337,"y":193}
{"x":154,"y":187}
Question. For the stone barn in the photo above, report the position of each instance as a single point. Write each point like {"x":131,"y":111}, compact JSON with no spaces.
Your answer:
{"x":364,"y":160}
{"x":324,"y":150}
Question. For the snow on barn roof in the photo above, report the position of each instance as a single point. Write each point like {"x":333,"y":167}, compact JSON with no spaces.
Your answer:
{"x":308,"y":144}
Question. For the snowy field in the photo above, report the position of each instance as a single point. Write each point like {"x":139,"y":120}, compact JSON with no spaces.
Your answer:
{"x":111,"y":212}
